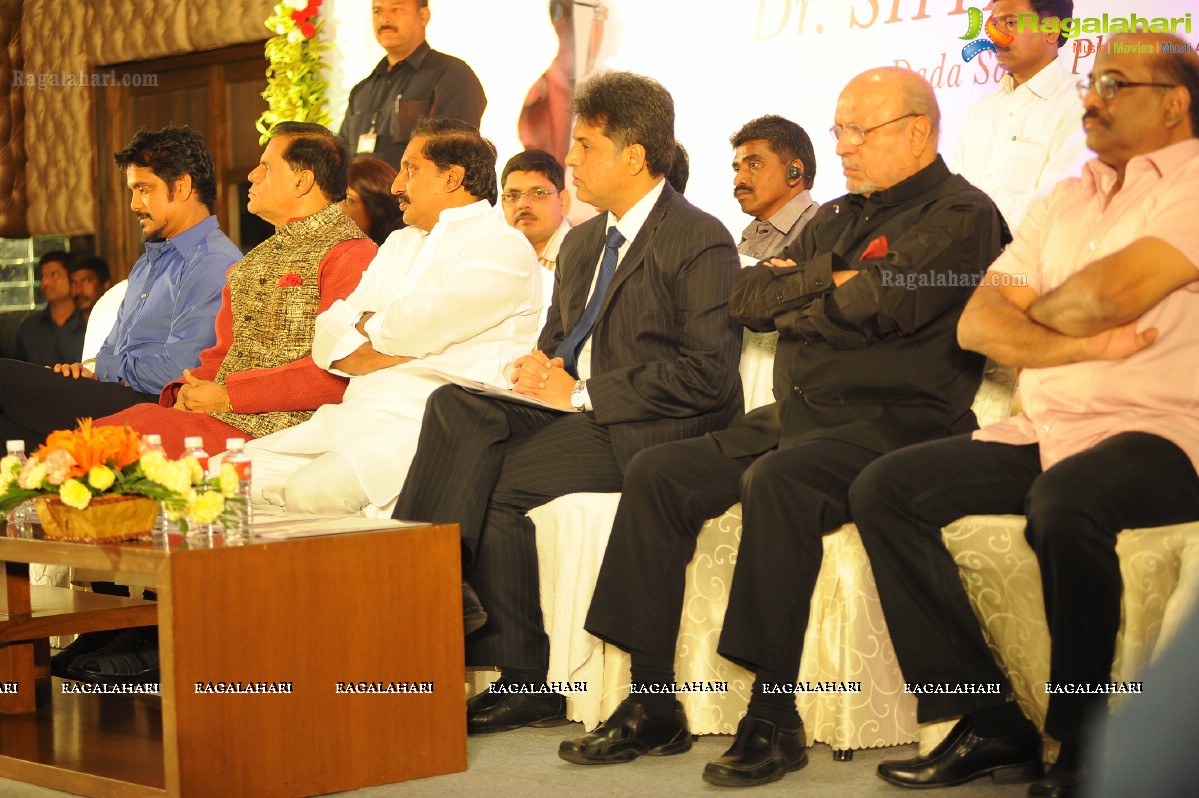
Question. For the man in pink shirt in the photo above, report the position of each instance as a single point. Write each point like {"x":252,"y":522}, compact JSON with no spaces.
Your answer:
{"x":1097,"y":300}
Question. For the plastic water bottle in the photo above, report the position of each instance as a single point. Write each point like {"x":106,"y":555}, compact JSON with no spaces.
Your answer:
{"x":235,"y":455}
{"x":18,"y":517}
{"x":193,"y":446}
{"x":153,"y":443}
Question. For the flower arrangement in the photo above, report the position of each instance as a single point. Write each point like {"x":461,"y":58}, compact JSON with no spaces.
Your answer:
{"x":295,"y":90}
{"x":91,"y":462}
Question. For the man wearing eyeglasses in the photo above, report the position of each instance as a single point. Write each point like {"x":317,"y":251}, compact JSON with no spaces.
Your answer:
{"x":1096,"y":300}
{"x":1018,"y":141}
{"x":536,"y":202}
{"x":865,"y":302}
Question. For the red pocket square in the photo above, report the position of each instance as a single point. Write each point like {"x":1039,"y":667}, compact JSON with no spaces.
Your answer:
{"x":876,"y":248}
{"x":290,"y":280}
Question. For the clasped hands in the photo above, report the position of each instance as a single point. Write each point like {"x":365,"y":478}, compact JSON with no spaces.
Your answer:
{"x":201,"y":396}
{"x":543,"y":378}
{"x":366,"y":359}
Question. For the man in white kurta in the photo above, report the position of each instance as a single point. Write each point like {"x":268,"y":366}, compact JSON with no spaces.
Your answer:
{"x":463,"y":298}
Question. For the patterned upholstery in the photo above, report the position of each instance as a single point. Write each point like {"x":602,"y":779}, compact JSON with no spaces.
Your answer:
{"x":847,"y":638}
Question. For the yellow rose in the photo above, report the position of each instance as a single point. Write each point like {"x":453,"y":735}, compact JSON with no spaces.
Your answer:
{"x":101,"y":477}
{"x":229,"y":480}
{"x":10,"y":466}
{"x":75,"y":494}
{"x":176,"y":509}
{"x":207,"y":507}
{"x":197,"y":472}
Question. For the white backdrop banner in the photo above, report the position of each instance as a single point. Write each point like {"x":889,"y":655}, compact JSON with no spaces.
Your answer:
{"x":728,"y":61}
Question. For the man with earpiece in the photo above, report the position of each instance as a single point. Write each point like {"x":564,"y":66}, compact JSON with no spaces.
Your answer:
{"x":773,"y":170}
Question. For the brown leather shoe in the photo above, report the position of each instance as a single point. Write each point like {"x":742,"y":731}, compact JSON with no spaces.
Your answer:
{"x":627,"y":734}
{"x":760,"y":754}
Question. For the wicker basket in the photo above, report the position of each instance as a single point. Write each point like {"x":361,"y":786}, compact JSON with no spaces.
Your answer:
{"x":106,"y":518}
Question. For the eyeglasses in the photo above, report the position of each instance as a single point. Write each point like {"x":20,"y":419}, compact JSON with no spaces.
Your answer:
{"x":1107,"y":86}
{"x":536,"y":195}
{"x":1010,"y":23}
{"x":857,"y":134}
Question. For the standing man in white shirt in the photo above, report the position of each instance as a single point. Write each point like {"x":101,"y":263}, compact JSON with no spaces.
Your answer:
{"x":1027,"y":135}
{"x":457,"y":290}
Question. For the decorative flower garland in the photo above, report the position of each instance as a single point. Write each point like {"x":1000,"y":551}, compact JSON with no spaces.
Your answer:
{"x":295,"y":90}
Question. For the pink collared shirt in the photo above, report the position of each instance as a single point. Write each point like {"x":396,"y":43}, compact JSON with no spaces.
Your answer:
{"x":1068,"y":409}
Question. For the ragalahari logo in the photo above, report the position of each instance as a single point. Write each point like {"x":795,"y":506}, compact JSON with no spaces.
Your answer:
{"x":974,"y":25}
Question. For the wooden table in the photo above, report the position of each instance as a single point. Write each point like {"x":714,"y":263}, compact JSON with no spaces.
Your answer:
{"x":382,"y":608}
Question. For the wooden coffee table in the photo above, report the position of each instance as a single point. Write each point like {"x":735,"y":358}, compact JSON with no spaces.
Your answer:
{"x":376,"y":610}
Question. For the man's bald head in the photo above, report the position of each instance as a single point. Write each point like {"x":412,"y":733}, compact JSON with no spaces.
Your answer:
{"x":1155,"y":79}
{"x":889,"y":123}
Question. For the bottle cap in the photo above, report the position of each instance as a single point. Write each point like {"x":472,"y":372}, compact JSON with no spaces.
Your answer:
{"x":16,"y":446}
{"x":154,"y":440}
{"x":235,"y":444}
{"x":193,"y":442}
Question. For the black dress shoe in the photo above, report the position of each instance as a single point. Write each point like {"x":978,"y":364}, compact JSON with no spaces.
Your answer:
{"x":1064,"y":779}
{"x":473,"y":614}
{"x":86,"y":643}
{"x":760,"y":754}
{"x":129,"y":658}
{"x":963,"y":756}
{"x":627,"y":734}
{"x":499,"y":711}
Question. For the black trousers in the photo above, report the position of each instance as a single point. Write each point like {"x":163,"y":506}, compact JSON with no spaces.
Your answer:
{"x":790,"y":500}
{"x":1074,"y":511}
{"x":35,"y":401}
{"x":483,"y":463}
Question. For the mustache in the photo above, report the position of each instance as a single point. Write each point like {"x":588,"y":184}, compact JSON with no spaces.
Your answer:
{"x":402,"y":199}
{"x":525,"y":215}
{"x":387,"y":26}
{"x":742,"y":187}
{"x":1091,"y":113}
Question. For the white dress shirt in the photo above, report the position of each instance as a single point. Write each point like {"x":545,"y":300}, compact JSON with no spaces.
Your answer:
{"x":1019,"y":141}
{"x":629,"y":226}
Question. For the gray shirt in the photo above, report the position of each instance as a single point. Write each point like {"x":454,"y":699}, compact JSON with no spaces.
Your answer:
{"x":765,"y":239}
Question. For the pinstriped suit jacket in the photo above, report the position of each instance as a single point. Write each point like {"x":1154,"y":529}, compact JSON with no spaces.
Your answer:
{"x":664,"y":352}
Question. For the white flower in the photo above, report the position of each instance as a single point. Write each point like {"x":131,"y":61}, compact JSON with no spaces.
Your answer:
{"x":297,"y":5}
{"x":295,"y":35}
{"x":58,"y":466}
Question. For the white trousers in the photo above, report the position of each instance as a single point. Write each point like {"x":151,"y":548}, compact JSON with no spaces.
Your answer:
{"x":321,"y":484}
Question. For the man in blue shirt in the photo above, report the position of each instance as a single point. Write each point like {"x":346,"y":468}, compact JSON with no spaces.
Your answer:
{"x":167,"y":316}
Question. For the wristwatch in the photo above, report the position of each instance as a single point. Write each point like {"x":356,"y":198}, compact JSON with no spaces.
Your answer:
{"x":578,"y":396}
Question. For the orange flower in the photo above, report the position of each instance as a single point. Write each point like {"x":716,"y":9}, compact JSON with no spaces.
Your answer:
{"x":90,"y":446}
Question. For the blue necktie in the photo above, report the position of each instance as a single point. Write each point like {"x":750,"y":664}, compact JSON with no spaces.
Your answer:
{"x":570,"y":347}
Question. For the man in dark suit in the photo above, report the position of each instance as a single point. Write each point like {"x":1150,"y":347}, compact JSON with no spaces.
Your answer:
{"x":643,"y":352}
{"x":866,"y":302}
